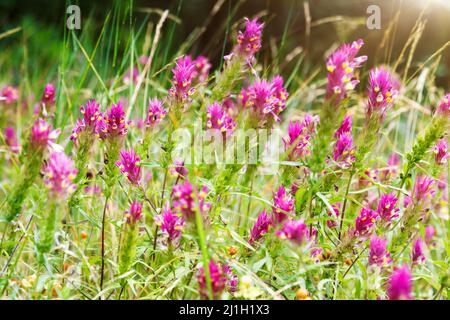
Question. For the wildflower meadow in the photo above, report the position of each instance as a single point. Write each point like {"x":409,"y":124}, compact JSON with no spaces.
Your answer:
{"x":137,"y":167}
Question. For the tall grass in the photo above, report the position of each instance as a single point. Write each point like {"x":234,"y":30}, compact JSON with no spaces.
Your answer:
{"x":92,"y":63}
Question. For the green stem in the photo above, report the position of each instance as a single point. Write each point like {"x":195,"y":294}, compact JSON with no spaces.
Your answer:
{"x":203,"y":248}
{"x":344,"y":205}
{"x":102,"y":271}
{"x":47,"y":232}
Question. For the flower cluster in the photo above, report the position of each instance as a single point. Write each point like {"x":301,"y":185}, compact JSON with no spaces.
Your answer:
{"x":378,"y":254}
{"x":11,"y":139}
{"x":184,"y":202}
{"x":283,"y":205}
{"x":219,"y":280}
{"x":249,"y":40}
{"x":383,"y":90}
{"x":113,"y":124}
{"x":423,"y":188}
{"x":400,"y":284}
{"x":333,"y":194}
{"x":88,"y":123}
{"x":294,"y":230}
{"x":341,"y":66}
{"x":201,"y":70}
{"x":344,"y":151}
{"x":49,"y":95}
{"x":59,"y":174}
{"x":261,"y":227}
{"x":155,"y":113}
{"x":345,"y":127}
{"x":170,"y":223}
{"x":183,"y":74}
{"x":265,"y":98}
{"x":232,"y":279}
{"x":417,"y":255}
{"x":299,"y":139}
{"x":218,"y":118}
{"x":364,"y":222}
{"x":334,"y":214}
{"x":42,"y":135}
{"x":129,"y":166}
{"x":441,"y":152}
{"x":387,"y":208}
{"x":9,"y":95}
{"x":178,"y":169}
{"x":134,"y":214}
{"x":444,"y":105}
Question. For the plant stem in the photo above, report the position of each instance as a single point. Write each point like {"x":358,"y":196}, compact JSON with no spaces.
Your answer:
{"x":102,"y":271}
{"x":5,"y":268}
{"x":203,"y":247}
{"x":344,"y":205}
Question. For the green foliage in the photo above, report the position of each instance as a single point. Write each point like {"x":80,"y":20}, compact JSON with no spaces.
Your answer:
{"x":135,"y":261}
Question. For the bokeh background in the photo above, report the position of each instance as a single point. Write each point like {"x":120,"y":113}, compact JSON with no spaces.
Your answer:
{"x":331,"y":22}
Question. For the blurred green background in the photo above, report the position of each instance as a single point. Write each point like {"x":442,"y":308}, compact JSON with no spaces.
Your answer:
{"x":332,"y":21}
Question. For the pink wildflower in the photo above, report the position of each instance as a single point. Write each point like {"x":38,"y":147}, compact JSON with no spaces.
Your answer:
{"x":364,"y":222}
{"x":114,"y":124}
{"x":295,"y":230}
{"x":265,"y":98}
{"x":444,"y":106}
{"x":392,"y":167}
{"x":344,"y":152}
{"x":316,"y":254}
{"x":400,"y":284}
{"x":9,"y":95}
{"x":134,"y":214}
{"x":383,"y":90}
{"x":249,"y":40}
{"x":59,"y":174}
{"x":49,"y":95}
{"x":298,"y":141}
{"x":156,"y":112}
{"x":217,"y":118}
{"x":182,"y":79}
{"x":11,"y":139}
{"x":387,"y":209}
{"x":334,"y":214}
{"x":261,"y":227}
{"x":417,"y":255}
{"x":378,"y":254}
{"x":131,"y":76}
{"x":184,"y":202}
{"x":42,"y":134}
{"x":129,"y":165}
{"x":170,"y":223}
{"x":178,"y":169}
{"x":345,"y":127}
{"x":88,"y":123}
{"x":283,"y":205}
{"x":430,"y":233}
{"x":341,"y":66}
{"x":441,"y":152}
{"x":218,"y":281}
{"x":232,"y":279}
{"x":423,"y":188}
{"x":229,"y":106}
{"x":202,"y":67}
